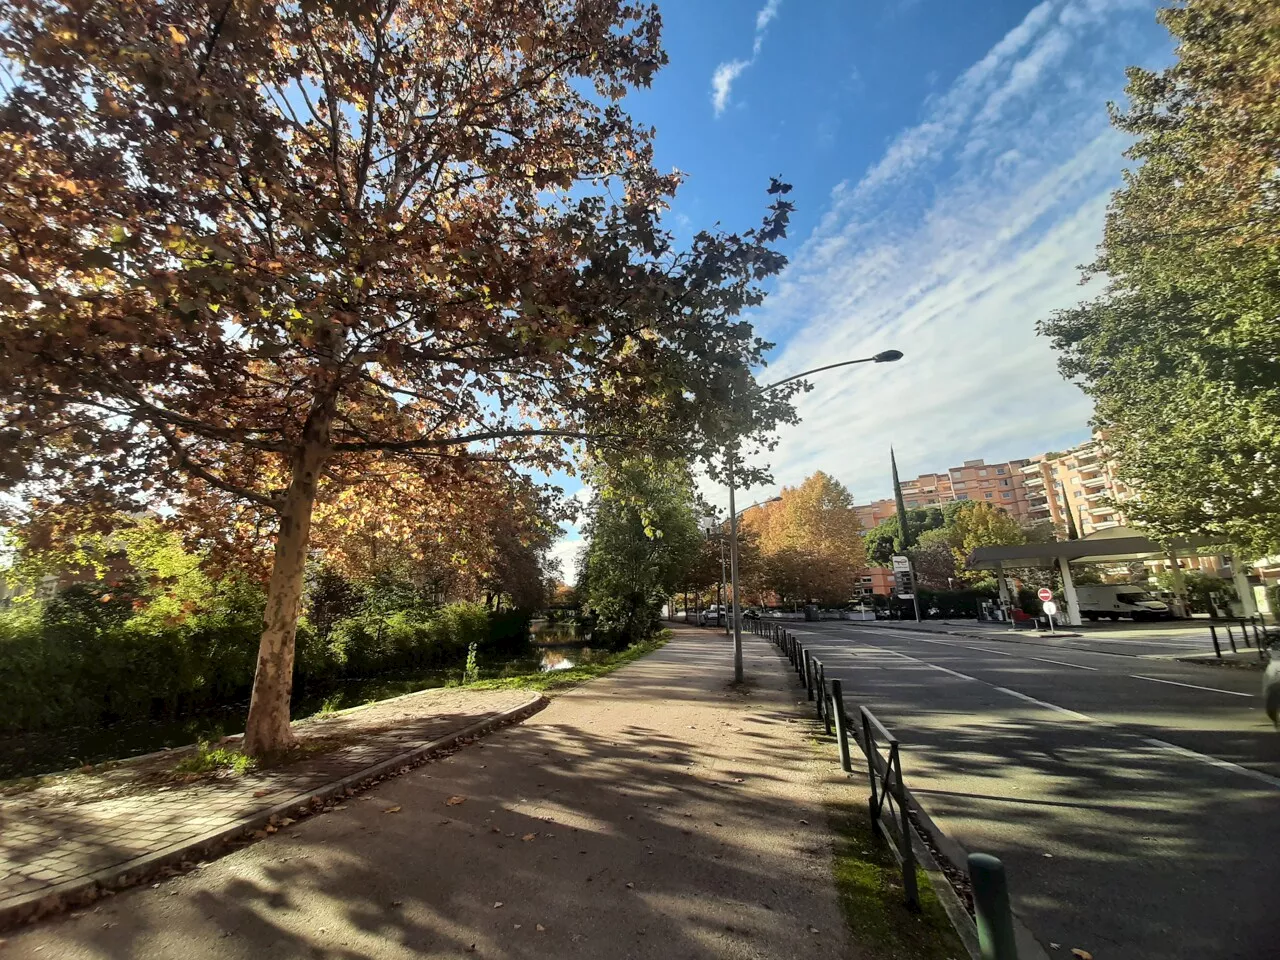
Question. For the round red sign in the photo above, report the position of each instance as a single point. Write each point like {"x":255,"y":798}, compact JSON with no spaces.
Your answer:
{"x":1045,"y":593}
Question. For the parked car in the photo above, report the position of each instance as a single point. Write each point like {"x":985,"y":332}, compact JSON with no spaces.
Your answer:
{"x":1116,"y":600}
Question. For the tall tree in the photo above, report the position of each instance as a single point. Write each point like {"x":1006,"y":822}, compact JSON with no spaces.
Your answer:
{"x":979,"y":524}
{"x":810,"y":541}
{"x":643,"y":541}
{"x":1181,"y":353}
{"x":253,"y":253}
{"x":904,"y":521}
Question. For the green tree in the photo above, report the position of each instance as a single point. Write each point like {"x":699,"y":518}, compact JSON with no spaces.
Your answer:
{"x":1181,"y":353}
{"x":642,"y":539}
{"x":882,"y":541}
{"x":935,"y":562}
{"x":978,"y":524}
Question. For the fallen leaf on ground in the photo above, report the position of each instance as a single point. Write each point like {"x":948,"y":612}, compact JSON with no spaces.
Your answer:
{"x":1081,"y":954}
{"x":395,"y":809}
{"x":454,"y":801}
{"x":528,"y":836}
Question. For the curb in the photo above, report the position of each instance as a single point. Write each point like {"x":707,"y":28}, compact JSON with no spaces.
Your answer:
{"x":41,"y":903}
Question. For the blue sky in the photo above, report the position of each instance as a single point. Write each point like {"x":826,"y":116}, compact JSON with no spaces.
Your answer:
{"x":951,"y":161}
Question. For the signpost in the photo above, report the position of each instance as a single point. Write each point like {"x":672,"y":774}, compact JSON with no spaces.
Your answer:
{"x":904,"y":581}
{"x":1048,"y":606}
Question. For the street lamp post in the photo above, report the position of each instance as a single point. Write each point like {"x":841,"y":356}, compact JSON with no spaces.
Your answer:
{"x":885,"y":356}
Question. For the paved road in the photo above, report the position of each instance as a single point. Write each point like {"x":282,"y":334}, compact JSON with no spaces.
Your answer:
{"x":1176,"y":639}
{"x":1135,"y":802}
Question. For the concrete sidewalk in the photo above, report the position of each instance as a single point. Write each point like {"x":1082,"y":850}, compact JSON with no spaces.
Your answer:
{"x":79,"y":834}
{"x":652,"y":813}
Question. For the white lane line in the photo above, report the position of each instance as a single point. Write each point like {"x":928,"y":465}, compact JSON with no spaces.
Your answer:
{"x":1214,"y":761}
{"x":1150,"y":741}
{"x":1063,"y":663}
{"x":1049,"y":706}
{"x":1001,"y":653}
{"x":1192,"y":686}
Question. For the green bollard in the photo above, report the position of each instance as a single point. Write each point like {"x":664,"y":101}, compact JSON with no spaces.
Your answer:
{"x":992,"y":915}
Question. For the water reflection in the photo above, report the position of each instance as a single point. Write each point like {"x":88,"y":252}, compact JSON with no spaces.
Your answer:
{"x":559,"y":644}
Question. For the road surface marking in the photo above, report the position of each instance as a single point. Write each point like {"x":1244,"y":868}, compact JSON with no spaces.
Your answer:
{"x":1150,"y":741}
{"x":1001,"y":653}
{"x":1193,"y":686}
{"x":1063,"y":663}
{"x":1049,"y":706}
{"x":1214,"y":761}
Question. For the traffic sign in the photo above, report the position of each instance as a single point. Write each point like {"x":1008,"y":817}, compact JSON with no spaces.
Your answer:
{"x":1050,"y":608}
{"x":1045,"y":594}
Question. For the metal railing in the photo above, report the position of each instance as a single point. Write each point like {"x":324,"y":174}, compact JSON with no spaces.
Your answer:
{"x":890,"y":804}
{"x":1261,"y":636}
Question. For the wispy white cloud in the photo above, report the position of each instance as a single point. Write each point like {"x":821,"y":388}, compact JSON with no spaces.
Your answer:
{"x":722,"y":83}
{"x":967,"y":230}
{"x":727,"y":72}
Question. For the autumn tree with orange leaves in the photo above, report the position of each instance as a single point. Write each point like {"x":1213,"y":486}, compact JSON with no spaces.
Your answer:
{"x":810,"y":543}
{"x":254,"y":256}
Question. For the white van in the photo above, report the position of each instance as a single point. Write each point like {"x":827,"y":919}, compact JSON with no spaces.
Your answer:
{"x":1116,"y":600}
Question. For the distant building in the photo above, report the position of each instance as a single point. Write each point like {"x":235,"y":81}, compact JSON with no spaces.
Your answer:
{"x":999,"y":484}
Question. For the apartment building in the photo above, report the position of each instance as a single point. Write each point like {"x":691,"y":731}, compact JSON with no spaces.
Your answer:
{"x":1081,"y":480}
{"x":999,"y":484}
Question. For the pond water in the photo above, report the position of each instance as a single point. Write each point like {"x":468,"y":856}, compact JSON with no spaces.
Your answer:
{"x":550,"y":647}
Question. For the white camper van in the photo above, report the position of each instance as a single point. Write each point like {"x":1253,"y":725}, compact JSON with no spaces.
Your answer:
{"x":1116,"y":600}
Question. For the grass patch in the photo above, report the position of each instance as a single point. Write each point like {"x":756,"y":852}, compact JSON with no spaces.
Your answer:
{"x":869,"y":882}
{"x":209,"y":759}
{"x":563,"y":679}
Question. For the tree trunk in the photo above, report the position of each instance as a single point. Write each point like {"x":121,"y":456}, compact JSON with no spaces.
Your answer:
{"x":267,"y":730}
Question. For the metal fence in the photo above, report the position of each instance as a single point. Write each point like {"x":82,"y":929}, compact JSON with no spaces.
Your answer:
{"x":890,"y":805}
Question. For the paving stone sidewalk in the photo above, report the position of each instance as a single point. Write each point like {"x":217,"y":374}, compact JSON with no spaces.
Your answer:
{"x":80,"y":831}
